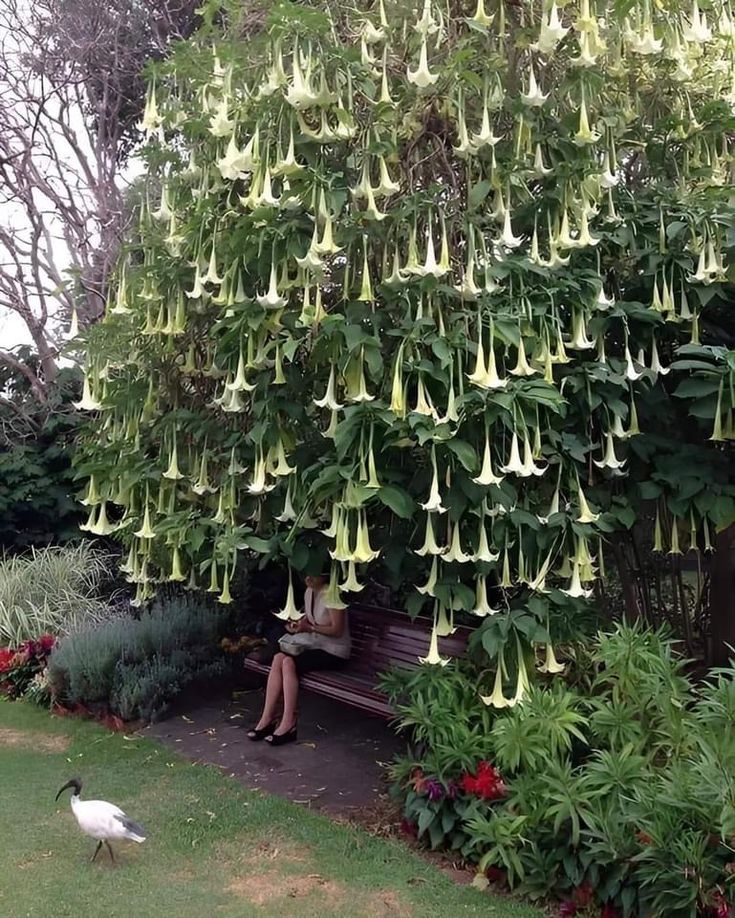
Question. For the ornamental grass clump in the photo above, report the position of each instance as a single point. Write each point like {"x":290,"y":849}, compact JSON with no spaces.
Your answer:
{"x":52,"y":590}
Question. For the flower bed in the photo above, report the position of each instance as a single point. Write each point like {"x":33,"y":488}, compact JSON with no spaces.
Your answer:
{"x":439,"y":808}
{"x":23,"y":668}
{"x":612,"y":791}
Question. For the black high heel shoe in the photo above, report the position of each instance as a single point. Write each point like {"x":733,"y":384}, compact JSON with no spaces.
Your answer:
{"x":256,"y":735}
{"x":280,"y":739}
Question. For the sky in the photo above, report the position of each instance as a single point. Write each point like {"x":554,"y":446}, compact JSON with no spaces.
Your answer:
{"x":12,"y":330}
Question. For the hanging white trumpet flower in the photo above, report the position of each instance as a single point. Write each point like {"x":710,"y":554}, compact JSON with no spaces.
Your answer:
{"x":434,"y":502}
{"x":551,"y":32}
{"x":422,"y":76}
{"x":534,"y":97}
{"x":430,"y":546}
{"x":487,"y":476}
{"x":428,"y":588}
{"x":609,"y":459}
{"x":433,"y":657}
{"x":289,"y":612}
{"x":220,"y":124}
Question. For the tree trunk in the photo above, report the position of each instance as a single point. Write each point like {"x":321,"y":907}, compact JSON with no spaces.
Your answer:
{"x":722,"y":599}
{"x":632,"y":610}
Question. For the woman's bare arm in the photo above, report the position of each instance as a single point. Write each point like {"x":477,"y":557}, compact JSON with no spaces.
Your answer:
{"x":336,"y":625}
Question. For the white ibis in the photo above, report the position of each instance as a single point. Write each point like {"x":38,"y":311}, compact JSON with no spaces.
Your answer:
{"x":101,"y":820}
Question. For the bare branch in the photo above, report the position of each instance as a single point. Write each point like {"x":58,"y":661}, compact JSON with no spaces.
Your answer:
{"x":71,"y":94}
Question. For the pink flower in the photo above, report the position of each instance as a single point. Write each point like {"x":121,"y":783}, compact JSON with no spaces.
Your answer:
{"x":720,"y":907}
{"x":583,"y":895}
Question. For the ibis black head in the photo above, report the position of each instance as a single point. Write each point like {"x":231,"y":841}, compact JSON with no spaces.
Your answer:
{"x":75,"y":783}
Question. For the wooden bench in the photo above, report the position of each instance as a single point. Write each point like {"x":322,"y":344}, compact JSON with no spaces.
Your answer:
{"x":381,"y":639}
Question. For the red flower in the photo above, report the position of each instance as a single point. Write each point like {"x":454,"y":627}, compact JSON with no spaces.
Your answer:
{"x":6,"y":655}
{"x":468,"y":783}
{"x":487,"y":783}
{"x":46,"y":643}
{"x":720,"y":907}
{"x":643,"y":837}
{"x":568,"y":909}
{"x":608,"y":911}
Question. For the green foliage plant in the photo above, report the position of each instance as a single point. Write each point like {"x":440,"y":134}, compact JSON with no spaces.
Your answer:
{"x":37,"y":485}
{"x":619,"y":790}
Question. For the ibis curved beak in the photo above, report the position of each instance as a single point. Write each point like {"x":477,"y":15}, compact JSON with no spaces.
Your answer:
{"x":75,"y":783}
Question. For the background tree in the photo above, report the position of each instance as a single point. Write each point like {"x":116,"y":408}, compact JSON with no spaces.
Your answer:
{"x":71,"y":94}
{"x":71,"y":88}
{"x":443,"y":291}
{"x":37,"y":502}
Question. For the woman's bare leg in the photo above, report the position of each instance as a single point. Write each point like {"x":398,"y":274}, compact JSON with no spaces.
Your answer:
{"x":290,"y":683}
{"x":273,"y":691}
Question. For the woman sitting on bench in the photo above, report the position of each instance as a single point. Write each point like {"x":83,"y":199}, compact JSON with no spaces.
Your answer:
{"x":318,"y":640}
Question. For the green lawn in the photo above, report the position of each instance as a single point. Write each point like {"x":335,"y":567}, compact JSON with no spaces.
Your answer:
{"x":213,"y":847}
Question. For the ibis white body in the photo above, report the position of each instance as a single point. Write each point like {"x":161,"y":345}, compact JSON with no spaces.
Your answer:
{"x":104,"y":821}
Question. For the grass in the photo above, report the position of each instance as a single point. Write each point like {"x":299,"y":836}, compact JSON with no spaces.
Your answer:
{"x":213,"y":848}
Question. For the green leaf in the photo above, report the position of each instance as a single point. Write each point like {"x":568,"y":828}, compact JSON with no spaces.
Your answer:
{"x":723,"y":512}
{"x":478,"y":192}
{"x":414,"y":604}
{"x":298,"y":554}
{"x":426,"y":817}
{"x":675,"y":229}
{"x":649,"y":490}
{"x":261,"y":546}
{"x":465,"y":453}
{"x":625,"y":515}
{"x":398,"y":500}
{"x":442,"y":351}
{"x":696,"y":387}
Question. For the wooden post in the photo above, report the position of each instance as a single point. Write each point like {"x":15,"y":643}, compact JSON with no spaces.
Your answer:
{"x":722,"y":598}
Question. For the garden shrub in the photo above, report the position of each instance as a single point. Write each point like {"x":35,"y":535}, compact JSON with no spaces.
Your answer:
{"x":52,"y":590}
{"x":135,"y":667}
{"x":618,"y":790}
{"x":448,"y":732}
{"x":37,"y":485}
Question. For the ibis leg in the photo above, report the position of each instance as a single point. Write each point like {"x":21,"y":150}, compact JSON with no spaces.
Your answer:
{"x":109,"y":848}
{"x":96,"y":851}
